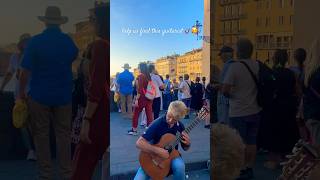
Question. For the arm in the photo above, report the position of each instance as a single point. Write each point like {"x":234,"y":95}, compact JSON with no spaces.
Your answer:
{"x":228,"y":82}
{"x":5,"y":81}
{"x":24,"y":77}
{"x":9,"y":74}
{"x":98,"y":79}
{"x":145,"y":146}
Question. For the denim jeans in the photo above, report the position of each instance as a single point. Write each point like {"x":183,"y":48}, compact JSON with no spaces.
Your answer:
{"x":177,"y":166}
{"x":167,"y":98}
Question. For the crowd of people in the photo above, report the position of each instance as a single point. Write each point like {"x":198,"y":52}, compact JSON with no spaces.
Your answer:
{"x":129,"y":94}
{"x":271,"y":107}
{"x":74,"y":106}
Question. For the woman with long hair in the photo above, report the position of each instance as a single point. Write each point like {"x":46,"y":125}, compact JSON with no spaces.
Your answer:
{"x":95,"y":128}
{"x":281,"y":127}
{"x":141,"y":100}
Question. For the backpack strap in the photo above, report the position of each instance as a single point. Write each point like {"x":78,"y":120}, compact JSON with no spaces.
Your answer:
{"x":251,"y":73}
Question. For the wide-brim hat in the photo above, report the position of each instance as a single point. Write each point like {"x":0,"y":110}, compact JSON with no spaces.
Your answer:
{"x":53,"y":16}
{"x":126,"y":66}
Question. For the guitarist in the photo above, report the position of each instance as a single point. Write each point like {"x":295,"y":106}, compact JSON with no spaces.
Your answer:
{"x":168,"y":123}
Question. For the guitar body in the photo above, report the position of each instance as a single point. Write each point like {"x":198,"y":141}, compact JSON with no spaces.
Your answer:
{"x":156,"y":167}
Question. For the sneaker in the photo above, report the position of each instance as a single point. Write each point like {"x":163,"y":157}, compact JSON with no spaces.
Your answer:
{"x":132,"y":132}
{"x":119,"y":110}
{"x":246,"y":174}
{"x":31,"y":156}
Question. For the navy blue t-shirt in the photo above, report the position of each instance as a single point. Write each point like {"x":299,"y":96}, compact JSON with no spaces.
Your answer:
{"x":160,"y":127}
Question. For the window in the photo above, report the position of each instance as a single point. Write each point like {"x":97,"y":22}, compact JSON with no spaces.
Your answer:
{"x":291,"y":19}
{"x":268,"y":21}
{"x":268,"y":4}
{"x":292,"y":3}
{"x":258,"y":22}
{"x":281,"y":3}
{"x":281,"y":20}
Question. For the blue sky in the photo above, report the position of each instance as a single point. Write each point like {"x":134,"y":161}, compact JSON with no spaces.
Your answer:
{"x":158,"y":41}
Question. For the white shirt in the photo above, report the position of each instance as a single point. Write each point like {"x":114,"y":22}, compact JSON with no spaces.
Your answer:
{"x":157,"y":82}
{"x":186,"y":91}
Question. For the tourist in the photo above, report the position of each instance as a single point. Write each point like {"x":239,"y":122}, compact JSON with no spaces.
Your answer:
{"x":170,"y":122}
{"x":156,"y":79}
{"x":311,"y":99}
{"x":281,"y":128}
{"x":124,"y":81}
{"x":179,"y":92}
{"x":47,"y":62}
{"x":167,"y":96}
{"x":95,"y":129}
{"x":141,"y":100}
{"x":13,"y":71}
{"x":197,"y":97}
{"x":175,"y":89}
{"x":226,"y":55}
{"x":185,"y":89}
{"x":79,"y":101}
{"x":240,"y":87}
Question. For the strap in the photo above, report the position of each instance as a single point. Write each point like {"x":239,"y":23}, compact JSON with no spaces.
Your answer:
{"x":251,"y":73}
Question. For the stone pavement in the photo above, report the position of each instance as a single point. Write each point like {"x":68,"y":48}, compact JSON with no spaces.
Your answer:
{"x":124,"y":154}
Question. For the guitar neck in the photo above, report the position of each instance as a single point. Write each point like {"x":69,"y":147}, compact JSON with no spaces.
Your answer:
{"x":193,"y":124}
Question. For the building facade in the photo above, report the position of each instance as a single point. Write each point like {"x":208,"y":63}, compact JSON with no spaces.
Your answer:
{"x":167,"y":66}
{"x":190,"y":63}
{"x":267,"y":23}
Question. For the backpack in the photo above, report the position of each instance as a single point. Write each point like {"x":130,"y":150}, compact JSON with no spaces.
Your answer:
{"x":266,"y":84}
{"x":192,"y":88}
{"x":150,"y":92}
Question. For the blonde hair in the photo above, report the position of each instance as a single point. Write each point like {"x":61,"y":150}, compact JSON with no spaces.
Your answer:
{"x":313,"y":61}
{"x":178,"y":109}
{"x":227,"y":152}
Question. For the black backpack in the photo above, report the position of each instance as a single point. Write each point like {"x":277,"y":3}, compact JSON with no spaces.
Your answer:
{"x":266,"y":84}
{"x":192,"y":88}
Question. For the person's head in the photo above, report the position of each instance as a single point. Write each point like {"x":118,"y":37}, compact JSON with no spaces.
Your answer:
{"x":197,"y":79}
{"x":244,"y":48}
{"x":180,"y":78}
{"x":228,"y":153}
{"x":143,"y":67}
{"x":53,"y":17}
{"x":174,"y":80}
{"x":167,"y":76}
{"x":152,"y":69}
{"x":226,"y":53}
{"x":126,"y":66}
{"x":280,"y":58}
{"x":300,"y":55}
{"x":186,"y":77}
{"x":176,"y":111}
{"x":204,"y":79}
{"x":101,"y":20}
{"x":23,"y":40}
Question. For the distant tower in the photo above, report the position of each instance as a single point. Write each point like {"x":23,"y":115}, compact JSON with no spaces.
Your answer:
{"x":206,"y":43}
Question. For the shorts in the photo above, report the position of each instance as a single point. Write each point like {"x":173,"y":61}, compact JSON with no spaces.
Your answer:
{"x":247,"y":126}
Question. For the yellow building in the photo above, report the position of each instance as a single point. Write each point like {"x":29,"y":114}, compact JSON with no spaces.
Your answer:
{"x":267,"y":23}
{"x":167,"y":65}
{"x":190,"y":63}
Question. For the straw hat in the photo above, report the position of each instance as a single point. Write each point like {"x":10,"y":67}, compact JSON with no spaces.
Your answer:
{"x":53,"y":16}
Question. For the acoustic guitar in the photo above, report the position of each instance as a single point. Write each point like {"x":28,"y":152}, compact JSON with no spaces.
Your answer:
{"x":158,"y":168}
{"x":301,"y":163}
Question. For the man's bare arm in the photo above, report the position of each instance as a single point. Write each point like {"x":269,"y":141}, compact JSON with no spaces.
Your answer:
{"x":23,"y":81}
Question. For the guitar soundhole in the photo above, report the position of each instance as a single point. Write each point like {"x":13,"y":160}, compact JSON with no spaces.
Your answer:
{"x":168,"y":148}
